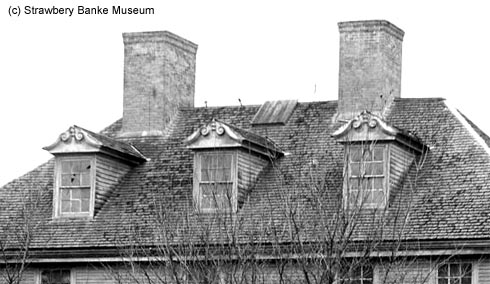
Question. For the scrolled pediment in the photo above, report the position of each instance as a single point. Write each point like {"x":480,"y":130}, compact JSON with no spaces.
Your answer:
{"x":212,"y":135}
{"x":366,"y":127}
{"x":74,"y":140}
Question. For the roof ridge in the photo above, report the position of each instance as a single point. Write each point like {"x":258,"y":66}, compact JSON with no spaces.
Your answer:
{"x":468,"y":127}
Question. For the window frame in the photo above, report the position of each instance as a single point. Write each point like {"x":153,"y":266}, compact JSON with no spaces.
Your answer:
{"x":473,"y":271}
{"x":362,"y":203}
{"x":58,"y":186}
{"x":197,"y":194}
{"x":346,"y":279}
{"x":41,"y":270}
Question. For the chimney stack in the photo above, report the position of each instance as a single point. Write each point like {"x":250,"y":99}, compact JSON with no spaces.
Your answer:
{"x":159,"y":77}
{"x":369,"y":67}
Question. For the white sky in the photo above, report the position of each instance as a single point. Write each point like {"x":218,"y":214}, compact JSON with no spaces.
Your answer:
{"x":57,"y":71}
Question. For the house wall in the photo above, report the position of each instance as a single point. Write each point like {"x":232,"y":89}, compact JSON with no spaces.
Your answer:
{"x":420,"y":272}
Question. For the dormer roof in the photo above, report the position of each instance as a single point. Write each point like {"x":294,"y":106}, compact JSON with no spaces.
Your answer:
{"x":217,"y":134}
{"x":79,"y":140}
{"x":451,"y":183}
{"x":370,"y":127}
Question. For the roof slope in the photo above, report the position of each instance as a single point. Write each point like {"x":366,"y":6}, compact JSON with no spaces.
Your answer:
{"x":450,"y":191}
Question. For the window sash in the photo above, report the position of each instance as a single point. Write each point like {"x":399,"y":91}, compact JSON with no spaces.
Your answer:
{"x":75,"y":178}
{"x":366,"y":181}
{"x":359,"y":275}
{"x":75,"y":200}
{"x":56,"y":276}
{"x":216,"y":195}
{"x":455,"y":273}
{"x":216,"y":183}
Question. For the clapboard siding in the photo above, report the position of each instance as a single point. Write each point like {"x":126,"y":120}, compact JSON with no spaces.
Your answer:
{"x":420,"y":272}
{"x":92,"y":275}
{"x":249,"y":167}
{"x":28,"y":277}
{"x":400,"y":161}
{"x":109,"y":173}
{"x":483,"y":271}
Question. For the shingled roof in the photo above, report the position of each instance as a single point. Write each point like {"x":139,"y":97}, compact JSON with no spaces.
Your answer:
{"x":450,"y":198}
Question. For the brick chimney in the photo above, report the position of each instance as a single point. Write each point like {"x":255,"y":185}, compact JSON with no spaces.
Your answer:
{"x":159,"y":77}
{"x":369,"y":67}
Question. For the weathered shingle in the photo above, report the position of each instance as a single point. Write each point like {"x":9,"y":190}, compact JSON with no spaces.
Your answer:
{"x":449,"y":193}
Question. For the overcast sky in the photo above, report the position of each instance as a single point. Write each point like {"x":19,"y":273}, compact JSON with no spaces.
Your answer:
{"x":58,"y":71}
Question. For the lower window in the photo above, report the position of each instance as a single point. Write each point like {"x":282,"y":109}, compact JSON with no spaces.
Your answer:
{"x":55,"y":276}
{"x":359,"y":275}
{"x":454,"y":273}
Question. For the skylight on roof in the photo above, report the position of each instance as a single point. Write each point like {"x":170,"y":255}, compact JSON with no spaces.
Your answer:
{"x":274,"y":112}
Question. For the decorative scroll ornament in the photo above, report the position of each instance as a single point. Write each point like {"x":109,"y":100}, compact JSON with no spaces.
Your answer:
{"x":213,"y":126}
{"x":365,"y":118}
{"x":369,"y":119}
{"x":72,"y":133}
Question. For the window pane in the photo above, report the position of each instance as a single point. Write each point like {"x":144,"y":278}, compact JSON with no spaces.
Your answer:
{"x":378,"y":183}
{"x":377,"y":168}
{"x":443,"y":281}
{"x":442,"y":272}
{"x":85,"y":205}
{"x":55,"y":277}
{"x":75,"y":206}
{"x":454,"y":269}
{"x":367,"y":272}
{"x":65,"y":277}
{"x":85,"y":193}
{"x":378,"y":197}
{"x":367,"y":183}
{"x":378,"y":153}
{"x":367,"y":154}
{"x":65,"y":194}
{"x":75,"y":193}
{"x":466,"y":269}
{"x":65,"y":205}
{"x":65,"y":179}
{"x":355,"y":154}
{"x":354,"y":183}
{"x":466,"y":280}
{"x":355,"y":169}
{"x":66,"y":166}
{"x":215,"y":196}
{"x":85,"y":179}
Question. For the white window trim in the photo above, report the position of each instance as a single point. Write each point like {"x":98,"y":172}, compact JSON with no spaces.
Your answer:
{"x":339,"y":279}
{"x":57,"y":182}
{"x":197,"y":178}
{"x":386,"y":182}
{"x":474,"y":270}
{"x":39,"y":272}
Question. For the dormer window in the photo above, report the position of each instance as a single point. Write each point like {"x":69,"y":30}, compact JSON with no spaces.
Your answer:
{"x":216,"y":181}
{"x":75,"y":185}
{"x":378,"y":157}
{"x":87,"y":168}
{"x":367,"y":183}
{"x":227,"y":161}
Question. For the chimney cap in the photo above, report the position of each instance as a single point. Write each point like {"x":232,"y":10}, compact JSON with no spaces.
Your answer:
{"x":160,"y":36}
{"x":371,"y":26}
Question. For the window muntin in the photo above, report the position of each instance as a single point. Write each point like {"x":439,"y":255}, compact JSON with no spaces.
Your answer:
{"x":367,"y":178}
{"x":75,"y":186}
{"x":55,"y":276}
{"x":454,"y":273}
{"x":216,"y":181}
{"x":358,"y":275}
{"x":74,"y":192}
